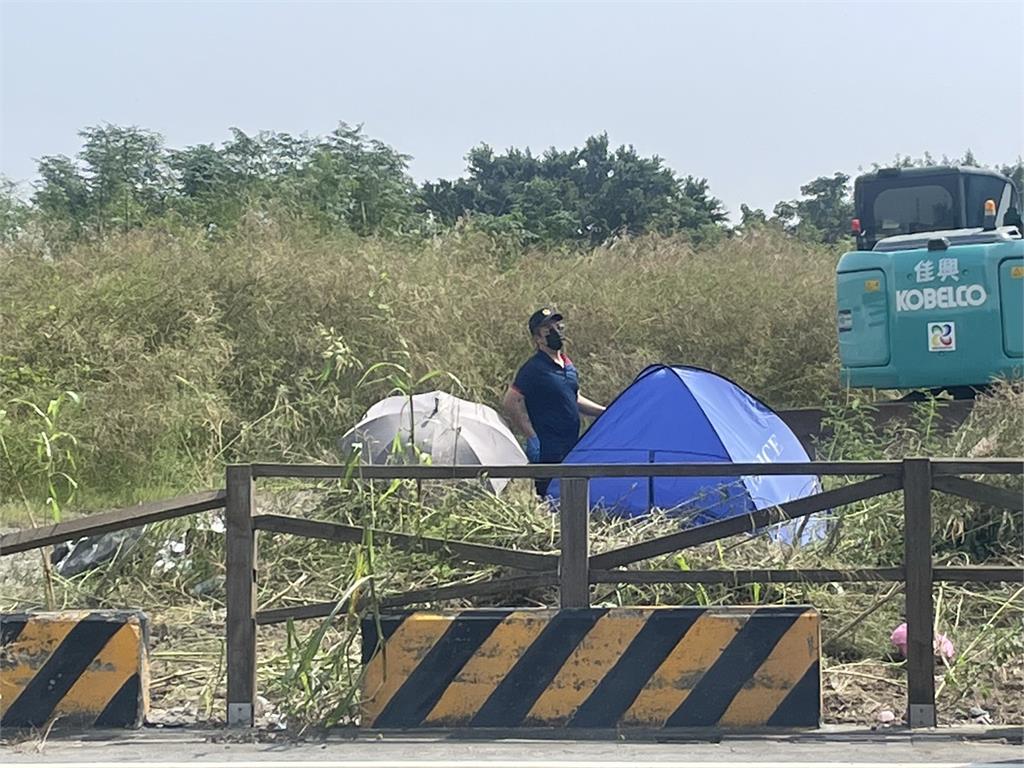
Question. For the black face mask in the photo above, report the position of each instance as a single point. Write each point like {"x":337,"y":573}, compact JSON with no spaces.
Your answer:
{"x":553,"y":339}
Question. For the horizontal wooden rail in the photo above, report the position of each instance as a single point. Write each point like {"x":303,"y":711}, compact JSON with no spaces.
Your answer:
{"x":732,"y":526}
{"x":782,"y":576}
{"x":947,"y":467}
{"x":469,"y":472}
{"x":525,"y":560}
{"x":106,"y":522}
{"x":430,"y":595}
{"x":979,"y":574}
{"x":941,"y":467}
{"x":955,"y":575}
{"x":1003,"y":498}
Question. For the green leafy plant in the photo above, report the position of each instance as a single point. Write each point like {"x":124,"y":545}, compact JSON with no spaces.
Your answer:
{"x":54,"y":468}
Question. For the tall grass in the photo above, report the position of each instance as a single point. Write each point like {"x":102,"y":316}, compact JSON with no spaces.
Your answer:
{"x":189,"y":353}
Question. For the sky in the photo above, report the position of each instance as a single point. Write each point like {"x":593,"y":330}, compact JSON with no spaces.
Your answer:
{"x":758,"y":98}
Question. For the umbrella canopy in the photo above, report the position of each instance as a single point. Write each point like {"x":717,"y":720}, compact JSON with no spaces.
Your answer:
{"x":400,"y":429}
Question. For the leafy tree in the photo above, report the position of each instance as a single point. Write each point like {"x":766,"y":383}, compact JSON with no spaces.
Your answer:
{"x":62,"y":198}
{"x":827,"y":206}
{"x":752,"y":217}
{"x":697,"y":207}
{"x":1015,"y":170}
{"x":446,"y":200}
{"x":208,"y":189}
{"x":1016,"y":173}
{"x":118,"y":179}
{"x":361,"y":181}
{"x":14,"y":212}
{"x":126,"y":175}
{"x":927,"y":160}
{"x":584,"y":194}
{"x":823,"y":213}
{"x":342,"y":180}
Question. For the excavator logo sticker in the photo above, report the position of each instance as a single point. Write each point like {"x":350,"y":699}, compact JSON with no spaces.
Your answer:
{"x":941,"y":337}
{"x":944,"y":297}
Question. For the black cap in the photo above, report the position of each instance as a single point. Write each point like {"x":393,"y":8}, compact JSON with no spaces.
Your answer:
{"x":541,"y":316}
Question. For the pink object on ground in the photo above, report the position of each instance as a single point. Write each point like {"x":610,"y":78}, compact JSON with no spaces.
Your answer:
{"x":899,"y":639}
{"x":943,"y":646}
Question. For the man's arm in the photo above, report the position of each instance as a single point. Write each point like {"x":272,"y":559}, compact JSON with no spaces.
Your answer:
{"x":589,"y":407}
{"x":515,"y":408}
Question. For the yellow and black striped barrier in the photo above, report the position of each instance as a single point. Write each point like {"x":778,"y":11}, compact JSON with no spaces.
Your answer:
{"x":83,"y":667}
{"x":727,"y":668}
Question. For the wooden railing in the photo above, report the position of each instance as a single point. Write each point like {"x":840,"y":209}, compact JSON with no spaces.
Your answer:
{"x":107,"y":522}
{"x":573,"y":569}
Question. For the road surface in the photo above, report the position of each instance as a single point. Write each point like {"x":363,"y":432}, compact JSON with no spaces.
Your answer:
{"x":850,"y":748}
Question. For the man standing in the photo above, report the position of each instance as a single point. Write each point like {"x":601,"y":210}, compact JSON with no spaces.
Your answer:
{"x":544,"y":401}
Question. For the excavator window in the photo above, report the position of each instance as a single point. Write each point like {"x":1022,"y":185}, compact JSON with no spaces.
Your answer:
{"x":906,"y":210}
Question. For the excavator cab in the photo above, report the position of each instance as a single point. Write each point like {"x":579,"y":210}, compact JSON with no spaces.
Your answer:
{"x":907,"y":201}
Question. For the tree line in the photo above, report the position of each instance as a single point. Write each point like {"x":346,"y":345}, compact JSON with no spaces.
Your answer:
{"x":123,"y":178}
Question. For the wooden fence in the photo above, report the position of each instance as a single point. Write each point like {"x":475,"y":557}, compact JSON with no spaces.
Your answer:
{"x":573,"y":569}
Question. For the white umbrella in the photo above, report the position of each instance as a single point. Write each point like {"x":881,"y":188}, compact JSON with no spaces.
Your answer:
{"x":449,"y":429}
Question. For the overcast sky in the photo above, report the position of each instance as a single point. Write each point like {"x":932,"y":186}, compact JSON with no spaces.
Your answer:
{"x":757,"y":97}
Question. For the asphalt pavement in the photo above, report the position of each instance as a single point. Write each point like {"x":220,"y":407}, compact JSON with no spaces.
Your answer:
{"x":853,"y":748}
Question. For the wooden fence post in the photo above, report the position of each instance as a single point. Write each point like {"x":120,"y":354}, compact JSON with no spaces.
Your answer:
{"x":917,"y":560}
{"x":574,"y":537}
{"x":240,"y":549}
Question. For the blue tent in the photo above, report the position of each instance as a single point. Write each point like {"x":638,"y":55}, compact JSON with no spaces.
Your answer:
{"x":676,"y":414}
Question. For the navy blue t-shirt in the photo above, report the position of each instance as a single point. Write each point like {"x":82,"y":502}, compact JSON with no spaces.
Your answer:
{"x":550,"y":392}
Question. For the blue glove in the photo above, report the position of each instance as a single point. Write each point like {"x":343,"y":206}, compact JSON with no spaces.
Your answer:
{"x":533,"y":449}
